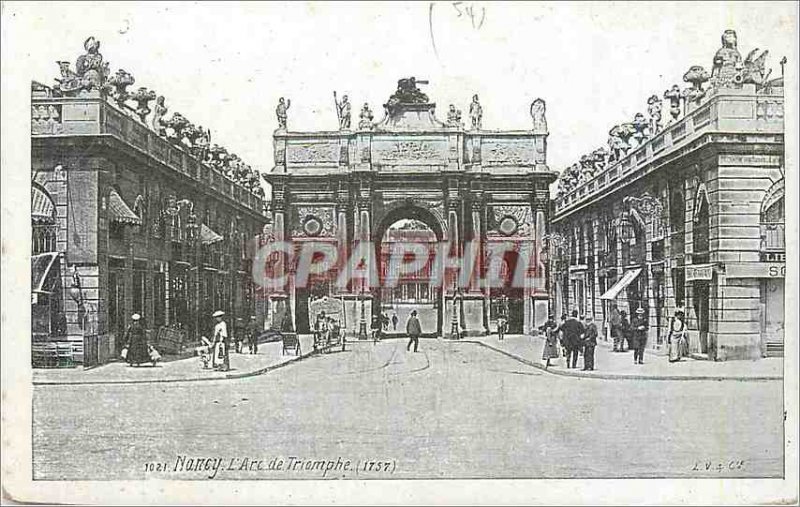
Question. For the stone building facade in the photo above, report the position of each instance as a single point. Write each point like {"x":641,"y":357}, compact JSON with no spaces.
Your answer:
{"x":132,"y":212}
{"x":685,"y":211}
{"x":349,"y":186}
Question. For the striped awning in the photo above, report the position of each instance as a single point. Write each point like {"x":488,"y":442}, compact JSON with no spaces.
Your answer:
{"x":120,"y":212}
{"x":43,"y":210}
{"x":621,"y":284}
{"x":208,"y":236}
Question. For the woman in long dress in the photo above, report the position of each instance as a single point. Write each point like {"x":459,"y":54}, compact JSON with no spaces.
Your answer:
{"x":677,"y":337}
{"x":550,"y":350}
{"x":136,"y":342}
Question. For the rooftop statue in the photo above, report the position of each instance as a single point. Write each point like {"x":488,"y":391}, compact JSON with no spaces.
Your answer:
{"x":538,"y":108}
{"x":476,"y":113}
{"x":640,"y":133}
{"x":365,"y":118}
{"x":407,"y":93}
{"x":587,"y":167}
{"x":120,"y":81}
{"x":727,"y":62}
{"x":280,"y":112}
{"x":696,"y":75}
{"x":143,"y":97}
{"x":343,"y":112}
{"x":753,"y":71}
{"x":654,"y":111}
{"x":600,"y":159}
{"x":674,"y":97}
{"x":69,"y":82}
{"x":453,"y":116}
{"x":159,"y":124}
{"x":91,"y":68}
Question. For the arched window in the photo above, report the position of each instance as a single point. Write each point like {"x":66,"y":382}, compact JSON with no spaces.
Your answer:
{"x":700,"y":238}
{"x":43,"y":221}
{"x":773,"y":218}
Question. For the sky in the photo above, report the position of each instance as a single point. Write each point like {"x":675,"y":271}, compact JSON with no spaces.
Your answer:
{"x":224,"y":66}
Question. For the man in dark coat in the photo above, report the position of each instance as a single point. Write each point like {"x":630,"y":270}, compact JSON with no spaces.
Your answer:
{"x":253,"y":330}
{"x":572,"y":329}
{"x":136,"y":342}
{"x":639,"y":329}
{"x":589,"y":343}
{"x":414,"y":329}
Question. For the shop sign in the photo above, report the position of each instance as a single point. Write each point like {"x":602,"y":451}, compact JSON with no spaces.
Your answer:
{"x":699,"y":272}
{"x":755,"y":270}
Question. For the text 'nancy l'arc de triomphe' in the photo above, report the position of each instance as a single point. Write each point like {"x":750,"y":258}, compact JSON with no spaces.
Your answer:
{"x":352,"y":185}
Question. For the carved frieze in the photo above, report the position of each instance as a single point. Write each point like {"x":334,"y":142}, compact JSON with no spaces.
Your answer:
{"x":769,"y":109}
{"x":312,"y":153}
{"x":413,"y":151}
{"x":508,"y":152}
{"x":313,"y":221}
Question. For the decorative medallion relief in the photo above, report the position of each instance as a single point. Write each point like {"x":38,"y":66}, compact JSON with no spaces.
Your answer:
{"x":767,"y":109}
{"x":313,"y":153}
{"x":313,"y":222}
{"x":510,"y":220}
{"x":508,"y":152}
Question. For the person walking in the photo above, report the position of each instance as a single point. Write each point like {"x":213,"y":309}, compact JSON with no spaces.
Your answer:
{"x":222,"y":360}
{"x":560,"y":334}
{"x":639,"y":329}
{"x":589,"y":343}
{"x":395,"y":320}
{"x":550,"y":349}
{"x":253,"y":330}
{"x":616,"y":329}
{"x":376,"y":330}
{"x":136,"y":342}
{"x":572,"y":329}
{"x":502,"y":322}
{"x":625,"y":339}
{"x":676,"y":339}
{"x":414,"y":330}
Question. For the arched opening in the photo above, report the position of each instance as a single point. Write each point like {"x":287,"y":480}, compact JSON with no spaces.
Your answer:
{"x":700,"y":255}
{"x":401,"y":290}
{"x":773,"y":249}
{"x":508,"y":300}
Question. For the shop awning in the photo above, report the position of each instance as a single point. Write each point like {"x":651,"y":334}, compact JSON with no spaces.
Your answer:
{"x":623,"y":282}
{"x":43,"y":211}
{"x":41,"y":266}
{"x":208,"y":236}
{"x":120,"y":212}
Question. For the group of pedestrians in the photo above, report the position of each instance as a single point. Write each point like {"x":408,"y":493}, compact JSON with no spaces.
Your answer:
{"x":574,"y":337}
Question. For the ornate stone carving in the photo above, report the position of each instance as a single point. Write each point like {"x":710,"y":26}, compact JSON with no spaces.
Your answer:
{"x":394,"y":152}
{"x":314,"y":221}
{"x":158,"y":122}
{"x":654,"y":111}
{"x":509,"y":220}
{"x":768,"y":109}
{"x":69,"y":83}
{"x":281,"y":112}
{"x":342,"y":111}
{"x":365,"y":118}
{"x":90,"y":67}
{"x":696,"y":75}
{"x":538,"y":108}
{"x":727,"y":61}
{"x":453,"y":117}
{"x":508,"y":151}
{"x":674,"y":97}
{"x":46,"y":119}
{"x":143,"y":97}
{"x":407,"y":93}
{"x":313,"y":152}
{"x":753,"y":71}
{"x":120,"y":82}
{"x":476,"y":114}
{"x":177,"y":123}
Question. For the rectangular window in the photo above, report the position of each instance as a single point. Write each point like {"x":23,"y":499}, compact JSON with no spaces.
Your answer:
{"x":159,"y":298}
{"x":679,"y":285}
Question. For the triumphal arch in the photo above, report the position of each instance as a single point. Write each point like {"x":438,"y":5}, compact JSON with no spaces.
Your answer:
{"x":410,"y":177}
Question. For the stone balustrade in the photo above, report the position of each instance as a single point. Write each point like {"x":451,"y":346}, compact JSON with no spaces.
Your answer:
{"x":725,"y":111}
{"x":84,"y":116}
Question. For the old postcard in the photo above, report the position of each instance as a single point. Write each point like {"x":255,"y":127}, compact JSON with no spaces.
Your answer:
{"x":433,"y":252}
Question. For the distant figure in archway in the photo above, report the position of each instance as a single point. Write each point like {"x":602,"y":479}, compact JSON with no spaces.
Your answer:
{"x":414,"y":330}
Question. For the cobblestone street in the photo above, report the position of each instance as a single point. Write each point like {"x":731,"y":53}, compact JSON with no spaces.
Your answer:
{"x":452,"y":410}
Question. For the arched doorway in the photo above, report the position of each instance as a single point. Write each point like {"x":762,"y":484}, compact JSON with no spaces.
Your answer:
{"x":398,"y":293}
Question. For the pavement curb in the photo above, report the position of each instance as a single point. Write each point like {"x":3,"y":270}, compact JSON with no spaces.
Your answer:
{"x":622,"y":376}
{"x":232,"y":376}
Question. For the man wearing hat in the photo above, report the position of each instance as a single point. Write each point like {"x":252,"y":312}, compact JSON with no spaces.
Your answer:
{"x":639,"y":328}
{"x":221,"y":359}
{"x":414,"y":330}
{"x":136,"y":342}
{"x":589,"y":343}
{"x":572,"y":329}
{"x":253,"y":330}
